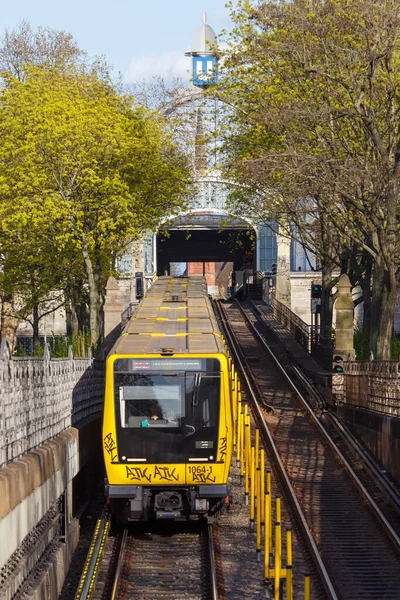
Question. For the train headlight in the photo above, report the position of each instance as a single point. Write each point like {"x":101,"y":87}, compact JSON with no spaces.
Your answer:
{"x":201,"y":504}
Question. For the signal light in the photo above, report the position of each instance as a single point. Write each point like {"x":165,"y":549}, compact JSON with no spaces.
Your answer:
{"x":316,"y":291}
{"x":139,"y":285}
{"x":274,"y":269}
{"x":338,"y":364}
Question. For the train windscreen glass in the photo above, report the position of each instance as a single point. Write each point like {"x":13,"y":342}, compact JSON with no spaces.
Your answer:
{"x":167,"y":410}
{"x":150,"y":400}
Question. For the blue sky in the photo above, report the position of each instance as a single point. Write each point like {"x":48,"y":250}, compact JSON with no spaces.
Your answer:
{"x":139,"y":38}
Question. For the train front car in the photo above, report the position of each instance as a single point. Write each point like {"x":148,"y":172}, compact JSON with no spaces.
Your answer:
{"x":167,"y":427}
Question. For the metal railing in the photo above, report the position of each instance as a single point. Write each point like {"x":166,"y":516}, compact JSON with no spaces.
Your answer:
{"x":319,"y":343}
{"x":374,"y":385}
{"x":128,"y":312}
{"x":300,"y":330}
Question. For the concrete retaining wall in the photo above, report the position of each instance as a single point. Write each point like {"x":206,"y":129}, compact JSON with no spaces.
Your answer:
{"x":30,"y":488}
{"x":379,"y":433}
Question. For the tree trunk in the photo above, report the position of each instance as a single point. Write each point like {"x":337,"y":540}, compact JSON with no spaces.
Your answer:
{"x":388,"y":238}
{"x":376,"y":301}
{"x":365,"y":284}
{"x":35,"y":326}
{"x":71,"y":318}
{"x":327,"y":266}
{"x":386,"y":317}
{"x":94,"y":294}
{"x":326,"y":304}
{"x":9,"y":323}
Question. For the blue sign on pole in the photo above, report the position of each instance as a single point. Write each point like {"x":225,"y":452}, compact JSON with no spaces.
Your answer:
{"x":204,"y":70}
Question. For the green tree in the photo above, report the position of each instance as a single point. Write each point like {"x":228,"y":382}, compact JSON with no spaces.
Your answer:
{"x":312,"y":90}
{"x":21,"y":48}
{"x":97,"y":171}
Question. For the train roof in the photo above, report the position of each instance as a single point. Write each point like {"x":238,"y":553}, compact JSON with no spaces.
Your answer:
{"x":176,"y":314}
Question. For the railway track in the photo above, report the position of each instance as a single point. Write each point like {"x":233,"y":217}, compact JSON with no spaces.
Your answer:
{"x":152,"y":562}
{"x":353,"y":546}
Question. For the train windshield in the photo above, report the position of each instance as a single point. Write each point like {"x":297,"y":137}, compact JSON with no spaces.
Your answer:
{"x":167,"y":416}
{"x":151,"y":400}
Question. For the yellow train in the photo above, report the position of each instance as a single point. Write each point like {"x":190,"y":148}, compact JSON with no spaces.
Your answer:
{"x":168,"y":422}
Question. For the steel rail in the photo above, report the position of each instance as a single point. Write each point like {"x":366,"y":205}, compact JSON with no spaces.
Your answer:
{"x":213,"y":570}
{"x":118,"y":570}
{"x":374,"y":507}
{"x":381,"y":480}
{"x":90,"y":569}
{"x":283,"y":476}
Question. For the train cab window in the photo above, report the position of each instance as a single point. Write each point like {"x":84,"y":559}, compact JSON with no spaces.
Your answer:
{"x":202,"y":393}
{"x":150,"y":400}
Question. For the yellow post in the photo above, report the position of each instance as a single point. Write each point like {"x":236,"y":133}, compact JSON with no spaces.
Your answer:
{"x":238,"y":435}
{"x":260,"y":500}
{"x":270,"y":504}
{"x":267,"y":539}
{"x":238,"y":396}
{"x":252,"y":487}
{"x":257,"y":447}
{"x":262,"y":489}
{"x":289,"y":565}
{"x":278,"y":509}
{"x":307,"y":587}
{"x":247,"y":453}
{"x":278,"y":560}
{"x":234,"y":402}
{"x":242,"y":446}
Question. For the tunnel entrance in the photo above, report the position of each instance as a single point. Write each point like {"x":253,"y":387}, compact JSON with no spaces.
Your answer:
{"x":219,"y":255}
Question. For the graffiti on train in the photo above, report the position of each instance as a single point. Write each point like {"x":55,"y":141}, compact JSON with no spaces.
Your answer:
{"x":154,"y":474}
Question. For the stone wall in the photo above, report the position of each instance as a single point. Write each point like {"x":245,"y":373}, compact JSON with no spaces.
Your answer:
{"x":40,"y":397}
{"x":50,"y":454}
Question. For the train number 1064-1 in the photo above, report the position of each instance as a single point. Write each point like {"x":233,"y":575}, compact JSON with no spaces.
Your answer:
{"x":201,"y":469}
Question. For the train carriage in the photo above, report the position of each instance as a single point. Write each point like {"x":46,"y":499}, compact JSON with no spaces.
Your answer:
{"x":167,"y":426}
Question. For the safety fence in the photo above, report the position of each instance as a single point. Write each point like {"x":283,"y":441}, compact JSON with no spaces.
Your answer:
{"x":318,"y":342}
{"x":300,"y":330}
{"x":40,"y":397}
{"x":374,"y":385}
{"x":265,"y":510}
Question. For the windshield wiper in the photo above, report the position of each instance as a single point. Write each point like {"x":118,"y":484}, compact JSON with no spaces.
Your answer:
{"x":196,"y":389}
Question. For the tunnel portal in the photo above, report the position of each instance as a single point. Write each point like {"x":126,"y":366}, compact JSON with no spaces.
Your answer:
{"x":219,"y":255}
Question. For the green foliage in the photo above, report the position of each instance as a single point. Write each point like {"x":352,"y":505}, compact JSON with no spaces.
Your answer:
{"x":82,"y":174}
{"x":38,"y":350}
{"x":361,"y":344}
{"x":311,"y":90}
{"x":21,"y":351}
{"x":81,"y":344}
{"x":58,"y":346}
{"x":395,"y":347}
